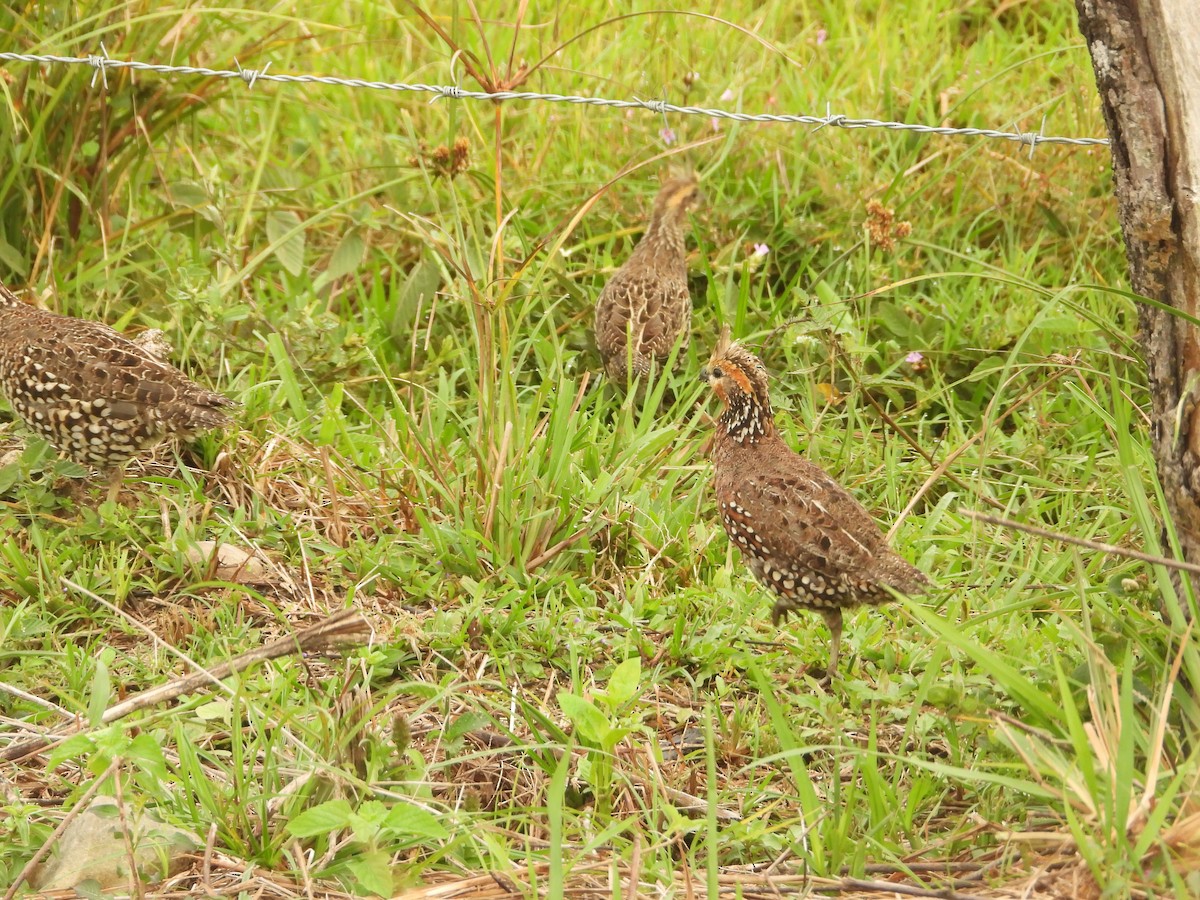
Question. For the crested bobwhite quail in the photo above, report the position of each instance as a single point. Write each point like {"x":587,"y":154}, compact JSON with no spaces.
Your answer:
{"x":804,"y":536}
{"x":645,"y":309}
{"x":97,"y":396}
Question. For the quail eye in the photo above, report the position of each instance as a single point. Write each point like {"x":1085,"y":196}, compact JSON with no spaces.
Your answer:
{"x":717,"y":373}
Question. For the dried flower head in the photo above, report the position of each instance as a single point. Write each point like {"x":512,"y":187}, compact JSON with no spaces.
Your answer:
{"x":443,"y":161}
{"x":401,"y":733}
{"x":882,"y":227}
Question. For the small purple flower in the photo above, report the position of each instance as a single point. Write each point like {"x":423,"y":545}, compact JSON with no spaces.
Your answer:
{"x":822,"y":36}
{"x":715,"y":123}
{"x":915,"y":357}
{"x":760,"y":250}
{"x":727,"y":96}
{"x":667,"y":135}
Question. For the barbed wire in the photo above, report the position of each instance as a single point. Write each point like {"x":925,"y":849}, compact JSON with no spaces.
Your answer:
{"x":102,"y":63}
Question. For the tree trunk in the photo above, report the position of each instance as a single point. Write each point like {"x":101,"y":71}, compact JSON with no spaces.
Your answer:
{"x":1146,"y":54}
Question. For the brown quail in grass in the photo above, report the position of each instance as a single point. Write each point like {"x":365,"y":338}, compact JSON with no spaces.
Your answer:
{"x":645,"y":309}
{"x":803,"y":535}
{"x":97,"y":396}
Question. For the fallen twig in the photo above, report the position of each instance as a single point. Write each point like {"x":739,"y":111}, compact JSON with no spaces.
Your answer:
{"x":550,"y":552}
{"x":346,"y":625}
{"x":890,"y":888}
{"x":1080,"y":542}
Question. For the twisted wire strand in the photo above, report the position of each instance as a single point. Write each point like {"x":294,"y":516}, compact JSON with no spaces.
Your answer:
{"x":103,"y":63}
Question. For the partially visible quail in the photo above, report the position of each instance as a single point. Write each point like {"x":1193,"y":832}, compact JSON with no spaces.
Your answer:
{"x":97,"y":396}
{"x":645,"y":309}
{"x":803,"y":535}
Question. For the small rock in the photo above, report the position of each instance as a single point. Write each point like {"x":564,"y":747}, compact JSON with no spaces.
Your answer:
{"x":95,"y":848}
{"x":232,"y":562}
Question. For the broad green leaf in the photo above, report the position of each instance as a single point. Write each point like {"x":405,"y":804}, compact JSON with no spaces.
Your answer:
{"x":147,"y":753}
{"x":9,"y":476}
{"x":895,"y":321}
{"x":420,"y":286}
{"x":367,"y":821}
{"x":623,"y":683}
{"x":347,"y":256}
{"x":321,"y":819}
{"x":187,"y":194}
{"x":100,"y":695}
{"x":14,"y":260}
{"x":373,"y":811}
{"x":214,"y":710}
{"x":408,"y":820}
{"x":589,"y":721}
{"x":285,"y":231}
{"x":372,"y":870}
{"x":469,"y":721}
{"x":72,"y":747}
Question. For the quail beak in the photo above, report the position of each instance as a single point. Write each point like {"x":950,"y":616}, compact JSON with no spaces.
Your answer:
{"x":704,"y":374}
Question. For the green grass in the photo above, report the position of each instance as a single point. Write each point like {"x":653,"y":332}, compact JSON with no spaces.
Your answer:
{"x":565,"y":644}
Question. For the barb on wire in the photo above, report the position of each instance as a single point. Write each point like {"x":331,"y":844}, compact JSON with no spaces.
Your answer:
{"x":660,"y":106}
{"x":831,"y":118}
{"x":98,"y":63}
{"x":836,"y":120}
{"x":250,"y":75}
{"x":1036,"y":137}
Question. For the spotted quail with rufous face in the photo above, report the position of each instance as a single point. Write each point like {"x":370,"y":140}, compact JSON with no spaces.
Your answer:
{"x":803,"y":535}
{"x":97,"y":396}
{"x":645,"y":309}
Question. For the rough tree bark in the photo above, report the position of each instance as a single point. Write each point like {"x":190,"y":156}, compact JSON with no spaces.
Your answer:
{"x":1146,"y":55}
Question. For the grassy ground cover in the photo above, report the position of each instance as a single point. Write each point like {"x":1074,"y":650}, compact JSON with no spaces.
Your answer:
{"x":571,"y":682}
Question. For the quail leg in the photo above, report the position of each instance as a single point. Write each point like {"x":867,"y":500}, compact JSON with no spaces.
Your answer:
{"x":833,"y":618}
{"x":115,"y":477}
